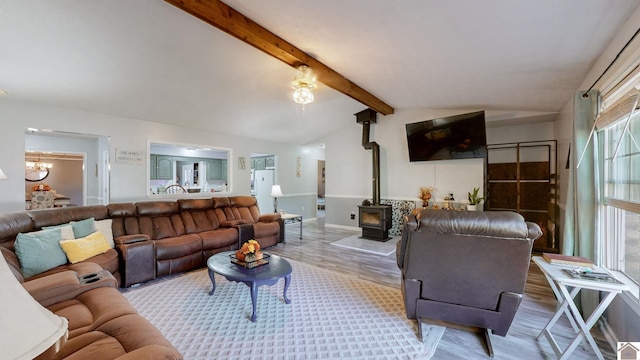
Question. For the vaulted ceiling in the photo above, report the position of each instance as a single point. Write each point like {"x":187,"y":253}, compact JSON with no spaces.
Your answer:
{"x":149,"y":60}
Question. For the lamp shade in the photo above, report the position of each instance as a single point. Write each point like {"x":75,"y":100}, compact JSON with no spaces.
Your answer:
{"x":2,"y":175}
{"x":276,"y":191}
{"x":28,"y":329}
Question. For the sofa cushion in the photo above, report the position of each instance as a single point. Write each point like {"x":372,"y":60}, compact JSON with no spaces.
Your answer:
{"x":67,"y":214}
{"x":81,"y":249}
{"x":197,"y":221}
{"x":480,"y":223}
{"x":66,"y":230}
{"x":82,"y":268}
{"x":91,"y":309}
{"x":219,"y":239}
{"x":106,"y":261}
{"x":104,"y":325}
{"x":83,"y":228}
{"x":163,"y":228}
{"x":39,"y":251}
{"x":267,"y":234}
{"x":104,"y":226}
{"x":126,"y":337}
{"x":176,"y":247}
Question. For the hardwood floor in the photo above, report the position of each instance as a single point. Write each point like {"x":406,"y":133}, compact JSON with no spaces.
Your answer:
{"x":520,"y":343}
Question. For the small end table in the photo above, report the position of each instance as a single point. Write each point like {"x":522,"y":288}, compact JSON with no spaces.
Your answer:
{"x":292,"y":219}
{"x":268,"y":274}
{"x":566,"y":288}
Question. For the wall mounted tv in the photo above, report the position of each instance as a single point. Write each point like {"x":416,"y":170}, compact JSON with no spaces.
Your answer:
{"x":453,"y":137}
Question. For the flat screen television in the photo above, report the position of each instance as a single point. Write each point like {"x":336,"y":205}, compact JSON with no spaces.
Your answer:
{"x":454,"y":137}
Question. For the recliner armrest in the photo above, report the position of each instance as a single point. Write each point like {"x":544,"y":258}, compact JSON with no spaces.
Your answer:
{"x":233,"y":223}
{"x":269,"y":217}
{"x":245,"y":233}
{"x":66,"y":285}
{"x":137,"y":261}
{"x":130,"y":239}
{"x":534,"y":230}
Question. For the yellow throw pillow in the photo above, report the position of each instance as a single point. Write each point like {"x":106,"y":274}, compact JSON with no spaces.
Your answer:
{"x":83,"y":248}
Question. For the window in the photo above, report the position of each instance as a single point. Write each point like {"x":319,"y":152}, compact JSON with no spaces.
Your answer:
{"x":620,"y":148}
{"x":186,"y":168}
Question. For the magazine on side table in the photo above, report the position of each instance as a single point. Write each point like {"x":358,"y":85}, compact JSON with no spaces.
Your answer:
{"x":592,"y":276}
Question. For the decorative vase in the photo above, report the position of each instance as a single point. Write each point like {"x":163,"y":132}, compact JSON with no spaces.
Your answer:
{"x":472,"y":207}
{"x":425,"y":204}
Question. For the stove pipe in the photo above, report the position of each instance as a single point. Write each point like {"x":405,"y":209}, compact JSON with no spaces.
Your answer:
{"x":366,"y":118}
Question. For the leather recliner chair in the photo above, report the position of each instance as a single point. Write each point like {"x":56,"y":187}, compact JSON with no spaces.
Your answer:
{"x":465,"y":268}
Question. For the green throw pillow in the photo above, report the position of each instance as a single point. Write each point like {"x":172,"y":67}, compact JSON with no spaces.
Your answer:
{"x":39,"y":251}
{"x":83,"y":228}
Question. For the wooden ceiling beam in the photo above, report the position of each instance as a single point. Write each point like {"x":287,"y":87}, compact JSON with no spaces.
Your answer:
{"x":236,"y":24}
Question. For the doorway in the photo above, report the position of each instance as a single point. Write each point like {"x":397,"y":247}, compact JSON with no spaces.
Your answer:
{"x":320,"y":198}
{"x":84,"y":156}
{"x":61,"y":173}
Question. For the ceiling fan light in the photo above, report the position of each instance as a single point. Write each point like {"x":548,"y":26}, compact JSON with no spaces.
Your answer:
{"x":304,"y":82}
{"x":303,"y":96}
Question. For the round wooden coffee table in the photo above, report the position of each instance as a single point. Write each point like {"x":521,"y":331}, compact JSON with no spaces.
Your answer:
{"x":268,"y":274}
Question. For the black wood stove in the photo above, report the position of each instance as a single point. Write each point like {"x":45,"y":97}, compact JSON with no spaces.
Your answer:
{"x":374,"y":219}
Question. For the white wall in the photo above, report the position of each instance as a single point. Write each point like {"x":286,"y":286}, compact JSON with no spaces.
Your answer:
{"x":349,"y":165}
{"x":128,"y":182}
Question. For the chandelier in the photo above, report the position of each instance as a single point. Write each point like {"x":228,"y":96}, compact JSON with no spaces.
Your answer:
{"x":304,"y":83}
{"x":38,"y":165}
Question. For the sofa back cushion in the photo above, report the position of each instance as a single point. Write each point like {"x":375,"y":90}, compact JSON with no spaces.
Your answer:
{"x":482,"y":223}
{"x":160,"y":219}
{"x":11,"y":224}
{"x":198,"y":215}
{"x":222,"y":209}
{"x":124,"y":217}
{"x":57,"y":216}
{"x":245,"y":208}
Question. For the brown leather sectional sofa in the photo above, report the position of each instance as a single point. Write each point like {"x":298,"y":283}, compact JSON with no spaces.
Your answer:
{"x":152,"y":239}
{"x":160,"y":238}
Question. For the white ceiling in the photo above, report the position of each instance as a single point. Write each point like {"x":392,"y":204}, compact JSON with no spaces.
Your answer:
{"x":147,"y":59}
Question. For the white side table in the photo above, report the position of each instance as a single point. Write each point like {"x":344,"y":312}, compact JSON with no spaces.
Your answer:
{"x":566,"y":288}
{"x":292,"y":219}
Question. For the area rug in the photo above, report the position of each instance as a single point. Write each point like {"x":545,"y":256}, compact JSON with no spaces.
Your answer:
{"x":331,"y":316}
{"x":355,"y":242}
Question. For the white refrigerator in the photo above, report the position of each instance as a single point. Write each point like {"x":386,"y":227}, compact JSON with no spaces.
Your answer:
{"x":263,"y":181}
